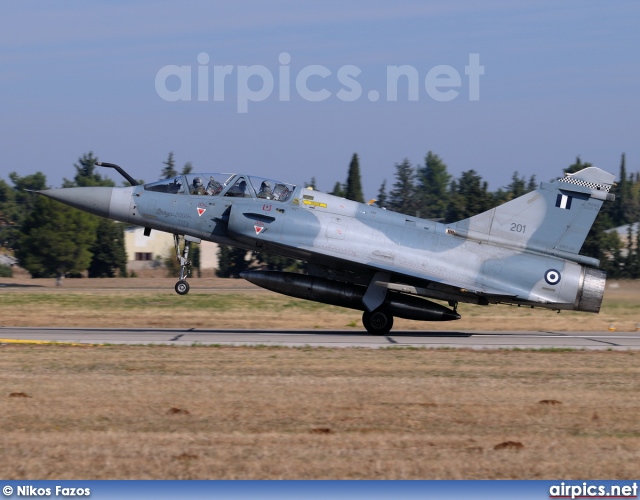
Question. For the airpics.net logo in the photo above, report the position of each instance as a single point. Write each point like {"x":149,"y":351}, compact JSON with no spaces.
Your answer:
{"x":258,"y":83}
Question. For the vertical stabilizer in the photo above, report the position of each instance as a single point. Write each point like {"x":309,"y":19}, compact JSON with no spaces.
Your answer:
{"x":554,"y":219}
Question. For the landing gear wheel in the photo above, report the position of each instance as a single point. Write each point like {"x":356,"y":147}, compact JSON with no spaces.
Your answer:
{"x":377,"y":322}
{"x":182,"y":287}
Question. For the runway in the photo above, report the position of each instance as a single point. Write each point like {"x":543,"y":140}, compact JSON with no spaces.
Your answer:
{"x":326,"y":338}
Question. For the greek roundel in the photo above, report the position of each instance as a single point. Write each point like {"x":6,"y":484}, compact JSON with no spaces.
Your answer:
{"x":552,"y":277}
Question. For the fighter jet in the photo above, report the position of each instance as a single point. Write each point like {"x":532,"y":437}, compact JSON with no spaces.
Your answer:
{"x":360,"y":256}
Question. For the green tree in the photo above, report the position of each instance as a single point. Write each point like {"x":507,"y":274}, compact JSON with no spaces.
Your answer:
{"x":195,"y":255}
{"x":382,"y":195}
{"x":469,"y":196}
{"x":231,"y":261}
{"x":625,"y":205}
{"x":17,"y":203}
{"x":188,"y":168}
{"x":56,"y":240}
{"x":517,"y":187}
{"x":87,"y":174}
{"x":354,"y":184}
{"x":5,"y":271}
{"x":635,"y":263}
{"x":402,"y":196}
{"x":576,"y":166}
{"x":8,"y":214}
{"x":339,"y":190}
{"x":108,"y":252}
{"x":628,"y":267}
{"x":169,"y":169}
{"x":277,"y":262}
{"x":433,"y":187}
{"x":22,"y":187}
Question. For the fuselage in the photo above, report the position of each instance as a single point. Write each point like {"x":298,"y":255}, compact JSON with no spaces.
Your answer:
{"x":350,"y":239}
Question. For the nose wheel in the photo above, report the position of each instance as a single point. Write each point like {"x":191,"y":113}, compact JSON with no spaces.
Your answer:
{"x":182,"y":287}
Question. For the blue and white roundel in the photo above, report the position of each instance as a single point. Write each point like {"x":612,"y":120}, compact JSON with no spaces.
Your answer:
{"x":552,"y":277}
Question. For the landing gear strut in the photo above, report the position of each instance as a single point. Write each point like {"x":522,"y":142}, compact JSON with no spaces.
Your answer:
{"x":378,"y":322}
{"x":182,"y":287}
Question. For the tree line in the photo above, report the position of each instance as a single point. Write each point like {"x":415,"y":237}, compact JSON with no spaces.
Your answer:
{"x":51,"y":239}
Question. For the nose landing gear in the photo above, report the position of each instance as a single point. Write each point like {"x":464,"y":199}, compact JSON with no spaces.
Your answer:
{"x":182,"y":286}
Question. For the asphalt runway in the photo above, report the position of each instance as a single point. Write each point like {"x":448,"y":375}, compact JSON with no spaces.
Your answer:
{"x":326,"y":338}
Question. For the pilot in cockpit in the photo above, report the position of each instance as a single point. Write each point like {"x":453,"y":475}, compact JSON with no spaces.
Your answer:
{"x":198,"y":186}
{"x":213,"y":187}
{"x":265,"y":191}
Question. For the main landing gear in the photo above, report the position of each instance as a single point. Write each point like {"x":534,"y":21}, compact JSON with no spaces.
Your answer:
{"x":378,"y":322}
{"x":376,"y":318}
{"x":182,"y":286}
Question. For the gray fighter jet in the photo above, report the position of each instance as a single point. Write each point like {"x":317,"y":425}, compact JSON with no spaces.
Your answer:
{"x":524,"y":252}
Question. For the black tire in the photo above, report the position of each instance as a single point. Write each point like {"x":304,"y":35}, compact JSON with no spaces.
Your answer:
{"x":377,"y":322}
{"x":182,"y":287}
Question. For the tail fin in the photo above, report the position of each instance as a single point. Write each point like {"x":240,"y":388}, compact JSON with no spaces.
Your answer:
{"x":554,"y":219}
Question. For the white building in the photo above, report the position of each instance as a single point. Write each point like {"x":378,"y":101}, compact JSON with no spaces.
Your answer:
{"x":149,"y":252}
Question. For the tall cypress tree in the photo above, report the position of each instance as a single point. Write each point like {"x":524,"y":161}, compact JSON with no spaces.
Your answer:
{"x":433,"y":184}
{"x":621,"y":214}
{"x":354,"y":185}
{"x":382,"y":195}
{"x":402,"y":197}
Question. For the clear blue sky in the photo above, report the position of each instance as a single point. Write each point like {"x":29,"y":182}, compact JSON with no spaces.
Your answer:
{"x":560,"y":79}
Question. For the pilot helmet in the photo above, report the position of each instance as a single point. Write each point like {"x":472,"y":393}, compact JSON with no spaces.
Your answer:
{"x":197,"y":182}
{"x":265,"y":185}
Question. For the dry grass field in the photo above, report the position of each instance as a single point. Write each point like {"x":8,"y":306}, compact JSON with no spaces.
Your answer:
{"x":250,"y":413}
{"x":142,"y":412}
{"x":227,"y":303}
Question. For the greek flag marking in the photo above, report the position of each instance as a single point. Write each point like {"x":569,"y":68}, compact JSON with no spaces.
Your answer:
{"x":563,"y":201}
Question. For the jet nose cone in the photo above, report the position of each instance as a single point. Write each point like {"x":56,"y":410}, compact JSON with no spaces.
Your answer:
{"x":95,"y":200}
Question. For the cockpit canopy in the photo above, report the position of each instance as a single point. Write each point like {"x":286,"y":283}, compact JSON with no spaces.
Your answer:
{"x":233,"y":185}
